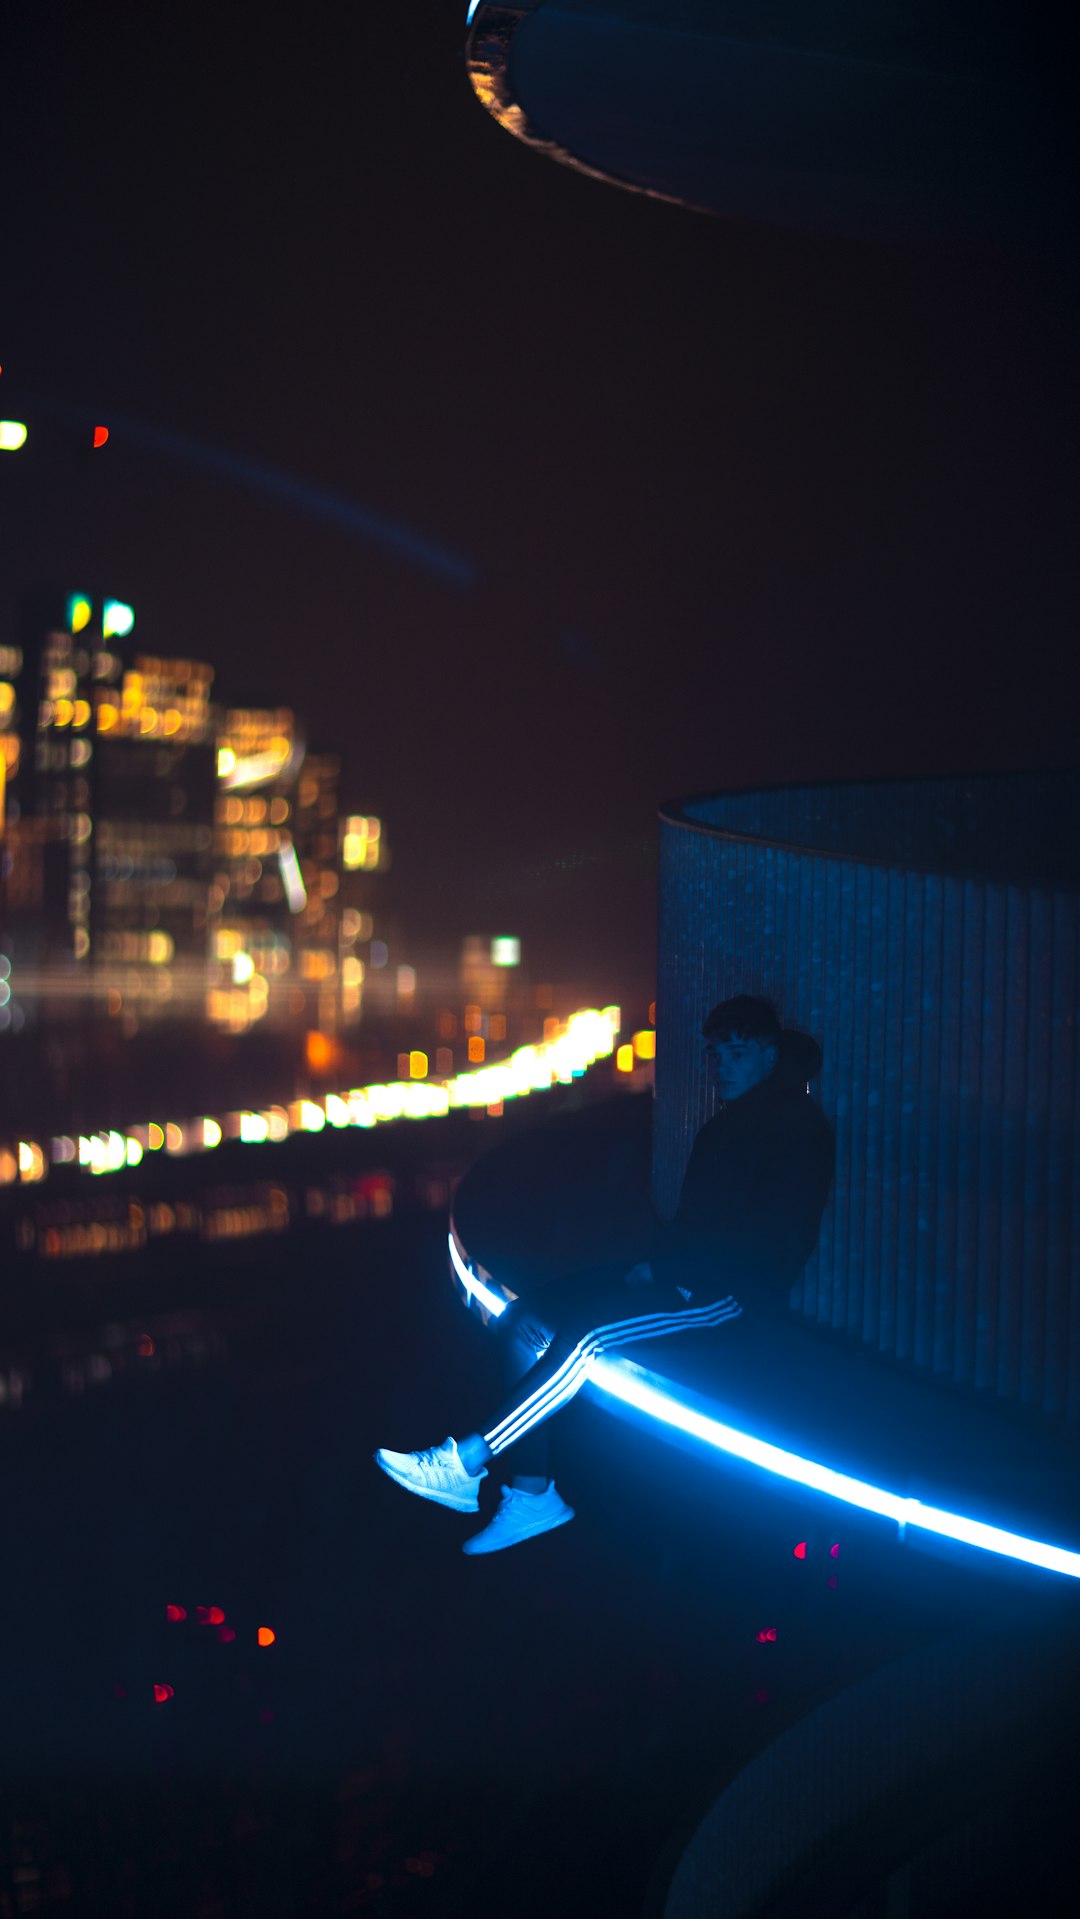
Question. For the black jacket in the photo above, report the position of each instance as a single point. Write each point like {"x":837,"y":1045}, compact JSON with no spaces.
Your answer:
{"x":754,"y":1190}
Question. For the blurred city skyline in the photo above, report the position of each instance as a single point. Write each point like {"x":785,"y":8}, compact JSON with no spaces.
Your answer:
{"x":557,"y":501}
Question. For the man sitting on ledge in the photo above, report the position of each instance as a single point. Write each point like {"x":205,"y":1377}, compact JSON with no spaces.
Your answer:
{"x":747,"y":1220}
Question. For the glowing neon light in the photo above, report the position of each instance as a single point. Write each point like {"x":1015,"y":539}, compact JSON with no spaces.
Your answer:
{"x":253,"y":771}
{"x":650,"y":1393}
{"x":629,"y":1383}
{"x":117,"y":618}
{"x":291,"y":877}
{"x":79,"y":611}
{"x":492,"y":1302}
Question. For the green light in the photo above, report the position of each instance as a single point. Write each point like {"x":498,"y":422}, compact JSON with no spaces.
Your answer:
{"x":12,"y":436}
{"x":116,"y":619}
{"x":79,"y":611}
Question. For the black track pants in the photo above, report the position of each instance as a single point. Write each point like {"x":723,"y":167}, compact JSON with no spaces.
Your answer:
{"x":547,"y":1341}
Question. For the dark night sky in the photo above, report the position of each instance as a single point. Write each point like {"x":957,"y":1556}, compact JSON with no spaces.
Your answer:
{"x":739,"y":504}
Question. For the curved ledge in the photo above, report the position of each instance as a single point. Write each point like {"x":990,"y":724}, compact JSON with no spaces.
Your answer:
{"x":829,"y":1811}
{"x":673,"y":1408}
{"x":857,"y":122}
{"x":488,"y":56}
{"x":1016,"y":827}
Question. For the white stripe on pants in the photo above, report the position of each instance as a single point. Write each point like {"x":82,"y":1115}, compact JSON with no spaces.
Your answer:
{"x":571,"y":1375}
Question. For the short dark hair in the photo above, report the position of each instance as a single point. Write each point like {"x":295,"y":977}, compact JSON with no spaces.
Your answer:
{"x":743,"y":1018}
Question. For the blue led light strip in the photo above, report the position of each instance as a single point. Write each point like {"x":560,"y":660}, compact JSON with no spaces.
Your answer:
{"x":631,"y":1384}
{"x":494,"y":1302}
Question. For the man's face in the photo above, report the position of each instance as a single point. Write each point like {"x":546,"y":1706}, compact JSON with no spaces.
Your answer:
{"x":737,"y":1064}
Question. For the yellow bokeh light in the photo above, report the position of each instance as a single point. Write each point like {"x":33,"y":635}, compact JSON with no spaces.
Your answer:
{"x":624,"y":1059}
{"x":320,"y":1051}
{"x":155,"y":1137}
{"x":32,"y":1162}
{"x":418,"y":1065}
{"x":107,"y":716}
{"x":644,"y":1044}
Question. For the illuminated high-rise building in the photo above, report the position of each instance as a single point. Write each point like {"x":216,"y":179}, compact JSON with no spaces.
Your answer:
{"x":48,"y":757}
{"x":163,"y":856}
{"x":109,"y":816}
{"x":318,"y":932}
{"x":153,"y":837}
{"x":11,"y":662}
{"x":257,"y":896}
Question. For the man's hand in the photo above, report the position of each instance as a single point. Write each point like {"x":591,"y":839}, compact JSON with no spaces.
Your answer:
{"x":639,"y":1275}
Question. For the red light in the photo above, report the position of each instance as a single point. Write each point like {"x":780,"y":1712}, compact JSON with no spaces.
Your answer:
{"x":175,"y":1612}
{"x":800,"y":1550}
{"x":834,"y":1551}
{"x":210,"y":1615}
{"x":147,"y":1349}
{"x":423,"y":1863}
{"x":766,"y":1633}
{"x":225,"y":1633}
{"x":101,"y":434}
{"x":266,"y":1635}
{"x":162,"y":1694}
{"x":119,"y":1692}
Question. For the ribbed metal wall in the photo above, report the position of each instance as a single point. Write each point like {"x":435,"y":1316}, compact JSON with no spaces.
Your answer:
{"x":945,"y":1003}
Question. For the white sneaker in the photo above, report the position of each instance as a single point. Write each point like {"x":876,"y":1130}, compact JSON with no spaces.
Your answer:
{"x":435,"y":1474}
{"x":521,"y":1516}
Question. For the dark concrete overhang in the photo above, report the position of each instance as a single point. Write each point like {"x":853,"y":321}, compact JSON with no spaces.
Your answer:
{"x":948,"y":124}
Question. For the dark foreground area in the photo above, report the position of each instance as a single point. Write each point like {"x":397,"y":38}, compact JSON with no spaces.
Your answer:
{"x":425,"y":1733}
